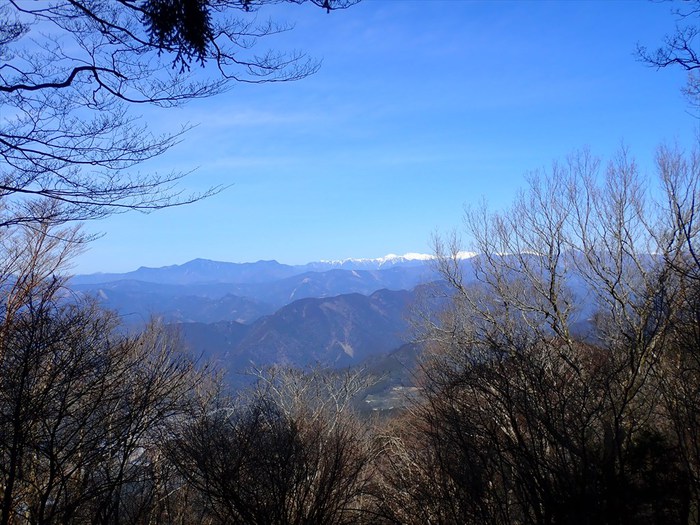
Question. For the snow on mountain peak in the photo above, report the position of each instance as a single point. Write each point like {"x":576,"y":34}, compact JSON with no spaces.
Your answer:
{"x":406,"y":257}
{"x":392,"y":258}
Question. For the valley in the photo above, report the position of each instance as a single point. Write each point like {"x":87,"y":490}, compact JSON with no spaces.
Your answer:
{"x":244,"y":316}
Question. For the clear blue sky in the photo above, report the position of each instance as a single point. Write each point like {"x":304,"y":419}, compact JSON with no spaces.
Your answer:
{"x":420,"y":107}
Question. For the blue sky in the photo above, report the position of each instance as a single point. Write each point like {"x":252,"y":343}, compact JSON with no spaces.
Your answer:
{"x":420,"y":108}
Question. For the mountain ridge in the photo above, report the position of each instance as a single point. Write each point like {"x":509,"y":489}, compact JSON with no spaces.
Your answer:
{"x":336,"y":331}
{"x":202,"y":271}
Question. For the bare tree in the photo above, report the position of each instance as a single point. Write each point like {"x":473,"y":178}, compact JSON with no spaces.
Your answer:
{"x":73,"y":72}
{"x":554,"y":379}
{"x":83,"y":410}
{"x":292,"y":452}
{"x":679,"y":49}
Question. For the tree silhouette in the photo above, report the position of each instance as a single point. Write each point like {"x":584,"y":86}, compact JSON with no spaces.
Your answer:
{"x":72,"y":73}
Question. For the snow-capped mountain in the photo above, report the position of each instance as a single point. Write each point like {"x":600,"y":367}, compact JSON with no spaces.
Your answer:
{"x":408,"y":259}
{"x":202,"y":271}
{"x":381,"y":263}
{"x":209,"y":291}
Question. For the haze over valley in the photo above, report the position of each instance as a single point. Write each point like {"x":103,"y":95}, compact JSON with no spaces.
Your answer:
{"x":243,"y":315}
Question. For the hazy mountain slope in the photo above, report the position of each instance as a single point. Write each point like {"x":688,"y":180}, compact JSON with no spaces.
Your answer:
{"x":243,"y":302}
{"x":206,"y":271}
{"x":334,"y":282}
{"x":137,"y":302}
{"x":135,"y":288}
{"x":214,"y":342}
{"x":339,"y":331}
{"x":199,"y":271}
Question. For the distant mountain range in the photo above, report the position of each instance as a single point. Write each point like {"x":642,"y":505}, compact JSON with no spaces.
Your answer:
{"x":201,"y":271}
{"x":242,"y":302}
{"x":354,"y":312}
{"x":238,"y":315}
